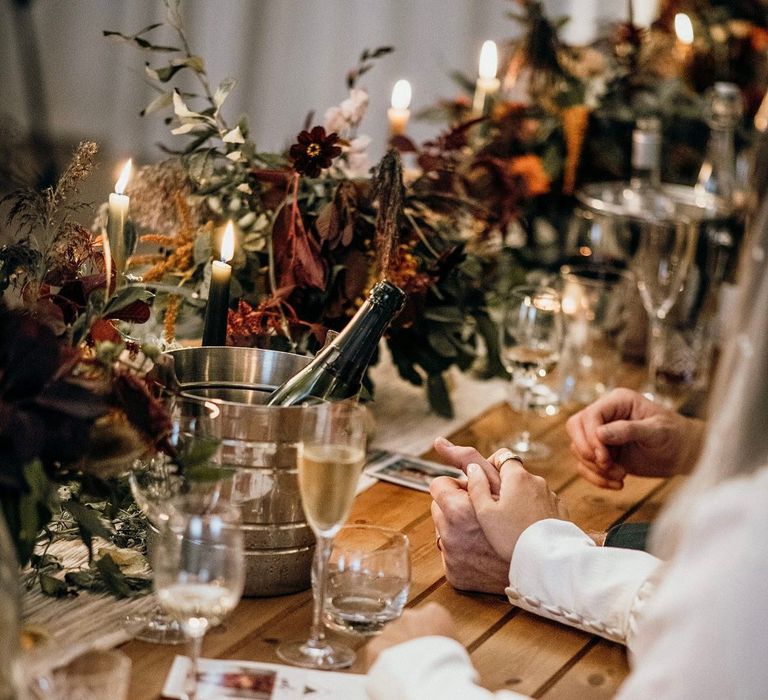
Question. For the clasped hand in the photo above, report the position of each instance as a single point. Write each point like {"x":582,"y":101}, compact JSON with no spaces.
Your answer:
{"x":480,"y":519}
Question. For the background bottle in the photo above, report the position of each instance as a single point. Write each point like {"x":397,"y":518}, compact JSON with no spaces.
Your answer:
{"x":337,"y":371}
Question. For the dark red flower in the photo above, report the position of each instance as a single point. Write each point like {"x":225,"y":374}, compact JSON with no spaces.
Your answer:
{"x":314,"y":151}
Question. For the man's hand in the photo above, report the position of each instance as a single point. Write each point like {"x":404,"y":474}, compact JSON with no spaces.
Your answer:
{"x":431,"y":619}
{"x":470,"y":562}
{"x":460,"y":457}
{"x":523,"y":500}
{"x":624,"y":433}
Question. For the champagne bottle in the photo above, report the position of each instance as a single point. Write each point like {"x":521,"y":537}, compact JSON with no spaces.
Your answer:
{"x":337,"y":371}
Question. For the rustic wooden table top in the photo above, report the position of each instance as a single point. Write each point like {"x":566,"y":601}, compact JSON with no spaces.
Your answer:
{"x":511,"y":648}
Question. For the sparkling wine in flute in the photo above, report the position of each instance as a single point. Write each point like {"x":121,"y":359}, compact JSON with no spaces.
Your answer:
{"x":201,"y":601}
{"x":328,"y":476}
{"x":531,"y":360}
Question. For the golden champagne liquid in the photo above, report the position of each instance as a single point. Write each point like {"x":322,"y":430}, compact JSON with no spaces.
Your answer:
{"x":328,"y":476}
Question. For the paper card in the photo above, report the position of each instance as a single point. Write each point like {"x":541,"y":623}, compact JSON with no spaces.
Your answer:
{"x":411,"y":472}
{"x":219,"y":678}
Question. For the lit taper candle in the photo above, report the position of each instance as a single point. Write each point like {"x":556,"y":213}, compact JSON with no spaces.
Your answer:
{"x":487,"y":84}
{"x":118,"y":215}
{"x":398,"y":114}
{"x":684,"y":34}
{"x":217,"y":310}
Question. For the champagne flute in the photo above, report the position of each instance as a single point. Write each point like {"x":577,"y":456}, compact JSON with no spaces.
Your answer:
{"x":531,"y":336}
{"x":660,"y":265}
{"x":331,"y":456}
{"x":188,"y":467}
{"x":199,"y":570}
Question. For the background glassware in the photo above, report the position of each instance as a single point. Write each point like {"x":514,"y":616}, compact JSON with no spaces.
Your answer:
{"x":199,"y":570}
{"x":593,"y":303}
{"x":331,"y":456}
{"x":369,"y":573}
{"x":193,"y":436}
{"x":531,"y":336}
{"x":660,"y":265}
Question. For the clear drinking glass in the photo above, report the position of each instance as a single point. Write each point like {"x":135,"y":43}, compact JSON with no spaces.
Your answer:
{"x":331,"y":456}
{"x":199,"y":570}
{"x":369,"y":573}
{"x":660,"y":265}
{"x":594,"y":307}
{"x":193,"y":471}
{"x":531,"y":335}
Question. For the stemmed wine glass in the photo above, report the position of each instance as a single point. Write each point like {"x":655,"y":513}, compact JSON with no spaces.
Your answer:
{"x":188,"y":467}
{"x":531,"y":335}
{"x":199,"y":570}
{"x":660,"y":265}
{"x":331,"y":456}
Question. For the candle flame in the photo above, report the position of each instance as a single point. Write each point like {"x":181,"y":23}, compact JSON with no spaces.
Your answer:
{"x":489,"y":60}
{"x":684,"y":28}
{"x":228,"y":243}
{"x":122,"y":181}
{"x":401,"y":95}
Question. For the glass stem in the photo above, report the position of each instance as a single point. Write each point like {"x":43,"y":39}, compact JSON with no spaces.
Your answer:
{"x":194,"y":649}
{"x":524,"y":441}
{"x":322,"y":555}
{"x":655,"y":351}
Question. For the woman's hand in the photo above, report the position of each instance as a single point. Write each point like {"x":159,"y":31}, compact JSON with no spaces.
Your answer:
{"x":624,"y":433}
{"x":426,"y":621}
{"x":523,"y":500}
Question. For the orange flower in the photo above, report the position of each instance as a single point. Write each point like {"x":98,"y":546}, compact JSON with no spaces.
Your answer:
{"x":575,"y":122}
{"x":531,"y":170}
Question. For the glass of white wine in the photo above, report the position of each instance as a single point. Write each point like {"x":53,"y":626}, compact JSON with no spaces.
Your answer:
{"x":199,"y":570}
{"x":531,"y":336}
{"x":190,"y":467}
{"x":331,"y":456}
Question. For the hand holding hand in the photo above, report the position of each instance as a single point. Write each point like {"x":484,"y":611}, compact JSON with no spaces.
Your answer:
{"x":624,"y":433}
{"x":523,"y":500}
{"x":426,"y":621}
{"x":461,"y":456}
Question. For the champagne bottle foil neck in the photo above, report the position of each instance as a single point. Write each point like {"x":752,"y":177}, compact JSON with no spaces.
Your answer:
{"x":388,"y":295}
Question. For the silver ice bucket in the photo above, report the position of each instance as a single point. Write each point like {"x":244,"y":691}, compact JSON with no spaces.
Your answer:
{"x":260,"y":442}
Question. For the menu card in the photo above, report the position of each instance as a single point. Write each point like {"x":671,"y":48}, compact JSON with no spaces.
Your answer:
{"x":219,"y":678}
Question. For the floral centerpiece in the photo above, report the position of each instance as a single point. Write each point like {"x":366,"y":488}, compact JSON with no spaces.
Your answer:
{"x":308,"y":247}
{"x":75,"y":408}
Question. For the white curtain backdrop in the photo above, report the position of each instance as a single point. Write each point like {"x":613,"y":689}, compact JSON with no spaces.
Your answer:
{"x":289,"y":57}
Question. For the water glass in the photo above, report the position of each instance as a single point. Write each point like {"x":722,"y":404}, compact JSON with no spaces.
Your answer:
{"x":594,"y":297}
{"x":369,"y":573}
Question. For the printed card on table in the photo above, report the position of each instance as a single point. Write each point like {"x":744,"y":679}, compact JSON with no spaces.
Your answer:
{"x":404,"y":470}
{"x":249,"y":680}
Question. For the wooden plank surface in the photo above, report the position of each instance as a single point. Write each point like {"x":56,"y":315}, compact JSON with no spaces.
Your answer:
{"x":511,"y":648}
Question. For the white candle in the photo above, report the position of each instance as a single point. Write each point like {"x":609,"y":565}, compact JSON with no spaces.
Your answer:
{"x":398,"y":114}
{"x":217,"y":309}
{"x":487,"y":84}
{"x":118,"y":215}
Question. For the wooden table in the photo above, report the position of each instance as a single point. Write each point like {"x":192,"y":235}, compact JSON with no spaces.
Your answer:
{"x":511,"y":648}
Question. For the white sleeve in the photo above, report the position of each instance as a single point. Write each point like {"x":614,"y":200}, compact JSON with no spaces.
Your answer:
{"x":428,"y":668}
{"x":705,"y":633}
{"x":558,"y":572}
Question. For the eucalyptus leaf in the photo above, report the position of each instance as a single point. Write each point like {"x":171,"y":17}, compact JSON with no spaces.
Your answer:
{"x":222,"y":92}
{"x":162,"y":101}
{"x":53,"y":587}
{"x":438,"y":396}
{"x":125,"y":297}
{"x":88,"y":519}
{"x":114,"y":579}
{"x":442,"y":344}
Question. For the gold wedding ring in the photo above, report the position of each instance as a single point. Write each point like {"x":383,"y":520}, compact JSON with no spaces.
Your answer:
{"x":505,"y":457}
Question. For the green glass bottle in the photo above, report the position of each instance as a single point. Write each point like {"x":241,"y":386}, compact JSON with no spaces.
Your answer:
{"x":337,"y":371}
